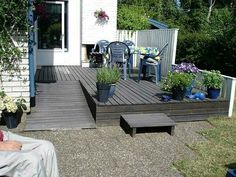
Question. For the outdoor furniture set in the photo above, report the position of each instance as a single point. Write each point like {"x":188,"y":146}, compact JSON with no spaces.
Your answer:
{"x":178,"y":80}
{"x":122,"y":53}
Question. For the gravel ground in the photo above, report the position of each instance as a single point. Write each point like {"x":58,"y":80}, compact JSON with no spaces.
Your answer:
{"x":109,"y":152}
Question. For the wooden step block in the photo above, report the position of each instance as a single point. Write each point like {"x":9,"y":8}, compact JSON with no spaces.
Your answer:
{"x":154,"y":120}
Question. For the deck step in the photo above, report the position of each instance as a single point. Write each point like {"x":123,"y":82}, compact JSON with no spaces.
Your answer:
{"x":134,"y":121}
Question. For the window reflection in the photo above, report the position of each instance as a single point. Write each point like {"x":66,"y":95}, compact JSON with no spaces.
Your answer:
{"x":50,"y":27}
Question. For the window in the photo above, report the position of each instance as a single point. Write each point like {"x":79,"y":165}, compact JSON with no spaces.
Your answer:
{"x":52,"y":26}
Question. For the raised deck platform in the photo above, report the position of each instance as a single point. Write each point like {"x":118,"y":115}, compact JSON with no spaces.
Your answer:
{"x":145,"y":97}
{"x":132,"y":97}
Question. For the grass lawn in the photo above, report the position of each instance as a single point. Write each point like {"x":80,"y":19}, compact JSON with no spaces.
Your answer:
{"x":213,"y":156}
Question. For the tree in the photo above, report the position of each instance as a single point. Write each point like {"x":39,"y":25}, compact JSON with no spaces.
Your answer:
{"x":132,"y":18}
{"x":211,"y":4}
{"x":206,"y":29}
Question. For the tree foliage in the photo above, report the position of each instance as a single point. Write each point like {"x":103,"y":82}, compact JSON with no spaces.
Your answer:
{"x":207,"y":29}
{"x":13,"y":20}
{"x":132,"y":18}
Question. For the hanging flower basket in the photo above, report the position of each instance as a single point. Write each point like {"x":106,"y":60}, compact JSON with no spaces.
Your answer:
{"x":101,"y":15}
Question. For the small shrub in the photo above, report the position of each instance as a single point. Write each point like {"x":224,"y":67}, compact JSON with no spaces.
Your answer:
{"x":213,"y":79}
{"x":104,"y":76}
{"x":115,"y":74}
{"x":177,"y":79}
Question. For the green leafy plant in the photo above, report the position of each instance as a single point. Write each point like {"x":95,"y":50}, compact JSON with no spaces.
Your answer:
{"x":176,"y":79}
{"x":213,"y":79}
{"x":132,"y":18}
{"x":10,"y":56}
{"x":104,"y":76}
{"x":14,"y":24}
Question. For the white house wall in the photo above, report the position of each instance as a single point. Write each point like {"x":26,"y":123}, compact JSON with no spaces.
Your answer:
{"x":93,"y":31}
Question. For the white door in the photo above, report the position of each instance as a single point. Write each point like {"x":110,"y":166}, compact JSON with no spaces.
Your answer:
{"x":53,"y":47}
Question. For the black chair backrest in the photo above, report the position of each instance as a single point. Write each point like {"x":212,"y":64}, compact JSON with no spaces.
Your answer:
{"x":163,"y":49}
{"x":118,"y":51}
{"x":129,"y":43}
{"x":101,"y":46}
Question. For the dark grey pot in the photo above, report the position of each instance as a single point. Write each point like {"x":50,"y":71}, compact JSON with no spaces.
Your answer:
{"x":103,"y":91}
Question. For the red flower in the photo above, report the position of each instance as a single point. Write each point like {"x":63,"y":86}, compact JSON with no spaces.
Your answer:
{"x":101,"y":14}
{"x":1,"y":136}
{"x":40,"y":10}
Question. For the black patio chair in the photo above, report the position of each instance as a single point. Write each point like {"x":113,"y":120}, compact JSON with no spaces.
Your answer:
{"x":131,"y":46}
{"x":119,"y":54}
{"x":101,"y":46}
{"x":152,"y":60}
{"x":97,"y":53}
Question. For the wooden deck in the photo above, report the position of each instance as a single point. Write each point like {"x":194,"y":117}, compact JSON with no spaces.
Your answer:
{"x":60,"y":102}
{"x":132,"y":97}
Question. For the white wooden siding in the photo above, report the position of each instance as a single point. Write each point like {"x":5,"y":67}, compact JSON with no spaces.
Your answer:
{"x":234,"y":104}
{"x":228,"y":92}
{"x":93,"y":31}
{"x":19,"y":86}
{"x":122,"y":35}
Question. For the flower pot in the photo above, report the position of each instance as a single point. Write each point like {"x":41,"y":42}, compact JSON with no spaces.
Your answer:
{"x":213,"y":93}
{"x":103,"y":92}
{"x":178,"y":93}
{"x":112,"y":90}
{"x":10,"y":119}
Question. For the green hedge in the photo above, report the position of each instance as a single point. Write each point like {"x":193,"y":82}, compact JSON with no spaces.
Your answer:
{"x":209,"y":53}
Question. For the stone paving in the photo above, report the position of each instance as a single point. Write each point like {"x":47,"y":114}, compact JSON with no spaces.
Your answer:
{"x":109,"y":152}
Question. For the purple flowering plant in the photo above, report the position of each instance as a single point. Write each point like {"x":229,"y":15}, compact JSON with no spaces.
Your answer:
{"x":182,"y":75}
{"x":185,"y":67}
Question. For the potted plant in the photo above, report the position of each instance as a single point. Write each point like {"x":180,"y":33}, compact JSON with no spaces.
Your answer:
{"x":187,"y":68}
{"x":11,"y":109}
{"x":103,"y":84}
{"x":213,"y":81}
{"x":115,"y":76}
{"x":177,"y":82}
